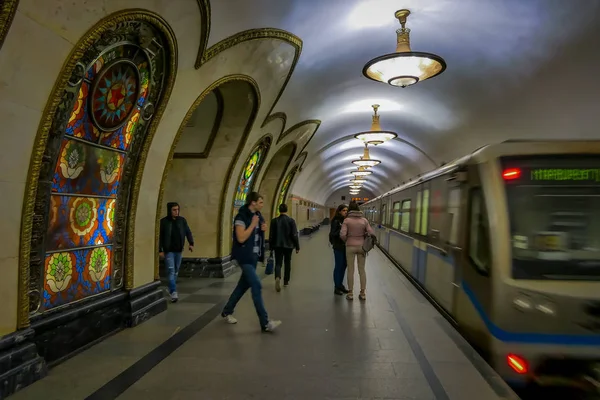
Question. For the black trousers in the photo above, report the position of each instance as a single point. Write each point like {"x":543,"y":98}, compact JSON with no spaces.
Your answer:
{"x":283,"y":256}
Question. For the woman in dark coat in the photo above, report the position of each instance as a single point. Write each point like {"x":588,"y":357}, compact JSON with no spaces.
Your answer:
{"x":339,"y":249}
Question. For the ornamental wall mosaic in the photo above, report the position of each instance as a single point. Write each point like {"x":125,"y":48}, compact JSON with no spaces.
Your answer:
{"x":95,"y":140}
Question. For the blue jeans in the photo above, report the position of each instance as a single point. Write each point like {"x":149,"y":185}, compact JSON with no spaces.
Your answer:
{"x":248,"y":280}
{"x":340,"y":267}
{"x":172,"y":263}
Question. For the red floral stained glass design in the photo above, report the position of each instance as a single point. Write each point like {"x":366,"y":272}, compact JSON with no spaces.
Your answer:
{"x":79,"y":222}
{"x":73,"y":275}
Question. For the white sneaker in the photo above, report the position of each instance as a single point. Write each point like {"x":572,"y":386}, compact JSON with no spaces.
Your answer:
{"x":230,"y":319}
{"x":174,"y":297}
{"x":272,"y":325}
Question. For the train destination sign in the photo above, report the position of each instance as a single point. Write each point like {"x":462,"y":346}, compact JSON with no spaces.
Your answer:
{"x":565,"y":175}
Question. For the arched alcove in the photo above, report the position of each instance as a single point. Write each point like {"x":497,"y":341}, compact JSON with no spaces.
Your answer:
{"x":82,"y":187}
{"x":198,"y":183}
{"x":272,"y":176}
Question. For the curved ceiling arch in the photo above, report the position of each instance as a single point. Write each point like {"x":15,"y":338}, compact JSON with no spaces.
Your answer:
{"x":357,"y":144}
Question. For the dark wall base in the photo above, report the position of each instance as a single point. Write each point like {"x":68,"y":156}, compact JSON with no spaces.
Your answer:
{"x":218,"y":267}
{"x":57,"y":336}
{"x":144,"y":303}
{"x":20,"y":363}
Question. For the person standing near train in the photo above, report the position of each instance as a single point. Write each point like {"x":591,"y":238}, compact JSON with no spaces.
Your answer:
{"x":354,"y":230}
{"x":339,"y":250}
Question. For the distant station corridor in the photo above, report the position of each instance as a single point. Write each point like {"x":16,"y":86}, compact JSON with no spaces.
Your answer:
{"x":394,"y":345}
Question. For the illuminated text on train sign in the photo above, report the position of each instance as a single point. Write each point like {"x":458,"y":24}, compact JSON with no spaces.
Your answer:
{"x":566,"y":174}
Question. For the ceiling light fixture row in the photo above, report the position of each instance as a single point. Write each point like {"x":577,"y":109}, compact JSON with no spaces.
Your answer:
{"x":374,"y":137}
{"x":402,"y":68}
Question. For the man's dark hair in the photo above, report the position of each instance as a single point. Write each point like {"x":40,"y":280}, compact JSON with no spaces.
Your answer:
{"x":353,"y":206}
{"x":253,"y":196}
{"x":283,"y":208}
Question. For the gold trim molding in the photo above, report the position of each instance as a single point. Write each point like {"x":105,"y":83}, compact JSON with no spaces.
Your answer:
{"x":41,"y":139}
{"x":8,"y":9}
{"x":318,"y":123}
{"x":299,"y":125}
{"x":205,"y":17}
{"x":304,"y":155}
{"x":184,"y":122}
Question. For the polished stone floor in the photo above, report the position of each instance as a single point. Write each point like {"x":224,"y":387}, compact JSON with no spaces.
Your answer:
{"x":393,"y":346}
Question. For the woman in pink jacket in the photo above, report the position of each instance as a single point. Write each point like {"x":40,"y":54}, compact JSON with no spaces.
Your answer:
{"x":353,"y":232}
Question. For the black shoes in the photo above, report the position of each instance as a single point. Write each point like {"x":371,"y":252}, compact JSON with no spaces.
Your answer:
{"x":341,"y":290}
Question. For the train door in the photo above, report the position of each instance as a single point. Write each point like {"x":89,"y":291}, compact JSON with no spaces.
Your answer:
{"x":421,"y":229}
{"x":473,"y":261}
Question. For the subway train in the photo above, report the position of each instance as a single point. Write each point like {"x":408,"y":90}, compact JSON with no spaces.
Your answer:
{"x":505,"y":242}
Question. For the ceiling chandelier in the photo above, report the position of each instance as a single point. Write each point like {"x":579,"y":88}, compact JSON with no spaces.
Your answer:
{"x":376,"y":135}
{"x":404,"y":67}
{"x":365,"y":160}
{"x":355,"y":187}
{"x":361,"y":171}
{"x":357,"y":181}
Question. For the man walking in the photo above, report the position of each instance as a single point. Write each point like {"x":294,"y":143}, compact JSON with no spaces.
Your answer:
{"x":248,"y":248}
{"x":283,"y":239}
{"x":173,"y":231}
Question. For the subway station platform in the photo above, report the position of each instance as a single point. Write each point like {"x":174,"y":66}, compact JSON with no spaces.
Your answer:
{"x":393,"y":346}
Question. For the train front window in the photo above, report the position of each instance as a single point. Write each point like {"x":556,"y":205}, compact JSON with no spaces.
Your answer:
{"x":554,"y":211}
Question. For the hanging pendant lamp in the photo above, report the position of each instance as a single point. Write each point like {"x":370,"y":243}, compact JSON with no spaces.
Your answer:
{"x":404,"y":67}
{"x":361,"y":171}
{"x":376,"y":135}
{"x":357,"y":181}
{"x":365,"y":160}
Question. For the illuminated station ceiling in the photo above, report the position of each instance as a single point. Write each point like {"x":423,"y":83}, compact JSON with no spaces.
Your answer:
{"x":516,"y":69}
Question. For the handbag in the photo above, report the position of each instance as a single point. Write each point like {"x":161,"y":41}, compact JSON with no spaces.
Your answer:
{"x":369,"y":242}
{"x":270,"y":264}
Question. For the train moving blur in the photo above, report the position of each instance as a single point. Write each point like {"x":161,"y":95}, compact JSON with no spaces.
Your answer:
{"x":506,"y":243}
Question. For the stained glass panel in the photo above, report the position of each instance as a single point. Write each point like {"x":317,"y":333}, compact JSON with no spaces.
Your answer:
{"x":79,"y":124}
{"x":248,"y":176}
{"x":74,"y":275}
{"x":107,"y":103}
{"x":285,"y":187}
{"x":86,"y":169}
{"x":79,"y":222}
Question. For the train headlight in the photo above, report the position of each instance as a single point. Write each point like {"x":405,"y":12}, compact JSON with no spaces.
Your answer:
{"x":545,"y":308}
{"x":523,"y":303}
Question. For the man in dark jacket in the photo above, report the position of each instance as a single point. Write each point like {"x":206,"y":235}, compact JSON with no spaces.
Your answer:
{"x":173,"y":231}
{"x":248,"y":248}
{"x":283,"y":239}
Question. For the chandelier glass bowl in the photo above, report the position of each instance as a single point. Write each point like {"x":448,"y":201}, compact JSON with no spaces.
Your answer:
{"x":376,"y":135}
{"x":404,"y":67}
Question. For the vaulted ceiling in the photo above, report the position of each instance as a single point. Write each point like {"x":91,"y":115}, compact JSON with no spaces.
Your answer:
{"x":495,"y":50}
